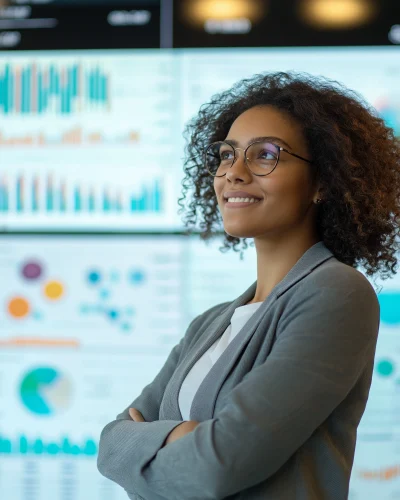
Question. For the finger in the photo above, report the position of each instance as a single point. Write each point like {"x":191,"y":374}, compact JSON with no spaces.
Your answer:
{"x":136,"y":415}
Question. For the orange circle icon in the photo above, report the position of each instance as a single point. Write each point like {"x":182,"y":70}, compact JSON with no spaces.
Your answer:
{"x":18,"y":307}
{"x":53,"y":290}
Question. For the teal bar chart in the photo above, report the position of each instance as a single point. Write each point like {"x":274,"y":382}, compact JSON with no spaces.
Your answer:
{"x":22,"y":445}
{"x":61,"y":197}
{"x":33,"y":89}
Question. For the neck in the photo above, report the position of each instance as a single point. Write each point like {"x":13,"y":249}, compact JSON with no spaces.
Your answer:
{"x":275,"y":259}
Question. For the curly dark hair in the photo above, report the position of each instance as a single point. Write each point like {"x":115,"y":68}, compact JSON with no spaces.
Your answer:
{"x":356,"y":160}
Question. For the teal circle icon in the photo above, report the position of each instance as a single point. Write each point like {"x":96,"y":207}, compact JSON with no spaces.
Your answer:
{"x":94,"y":276}
{"x":385,"y":367}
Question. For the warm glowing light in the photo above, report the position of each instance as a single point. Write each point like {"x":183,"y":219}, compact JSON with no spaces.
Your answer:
{"x":199,"y":11}
{"x":337,"y":14}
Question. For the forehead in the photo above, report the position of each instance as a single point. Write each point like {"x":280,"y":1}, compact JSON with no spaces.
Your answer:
{"x":265,"y":121}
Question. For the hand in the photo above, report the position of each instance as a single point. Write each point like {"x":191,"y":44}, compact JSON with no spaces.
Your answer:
{"x":181,"y":430}
{"x":136,"y":415}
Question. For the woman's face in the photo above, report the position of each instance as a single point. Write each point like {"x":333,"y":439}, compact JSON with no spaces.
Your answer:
{"x":286,"y":194}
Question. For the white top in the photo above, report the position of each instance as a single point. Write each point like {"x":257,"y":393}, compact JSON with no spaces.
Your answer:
{"x":200,"y":369}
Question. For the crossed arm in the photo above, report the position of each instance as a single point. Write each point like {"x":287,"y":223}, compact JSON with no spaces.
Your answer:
{"x":180,"y":431}
{"x":323,"y":344}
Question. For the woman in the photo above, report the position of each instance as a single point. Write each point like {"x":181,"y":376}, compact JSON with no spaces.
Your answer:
{"x":262,"y":396}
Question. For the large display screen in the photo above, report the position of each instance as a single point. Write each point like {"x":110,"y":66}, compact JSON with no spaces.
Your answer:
{"x":92,"y":141}
{"x":91,"y":145}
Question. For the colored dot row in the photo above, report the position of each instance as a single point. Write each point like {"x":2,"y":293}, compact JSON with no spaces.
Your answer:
{"x":19,"y":307}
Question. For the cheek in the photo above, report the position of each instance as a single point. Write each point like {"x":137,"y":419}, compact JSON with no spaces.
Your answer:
{"x":218,"y":186}
{"x":287,"y":183}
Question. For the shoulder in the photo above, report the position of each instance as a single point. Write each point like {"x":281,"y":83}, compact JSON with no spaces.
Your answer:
{"x":336,"y":274}
{"x":332,"y":293}
{"x":334,"y":312}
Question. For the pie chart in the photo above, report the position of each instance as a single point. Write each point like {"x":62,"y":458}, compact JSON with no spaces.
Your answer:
{"x":45,"y":391}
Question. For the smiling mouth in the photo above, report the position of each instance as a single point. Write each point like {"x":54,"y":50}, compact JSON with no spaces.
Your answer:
{"x":226,"y":200}
{"x":241,"y":204}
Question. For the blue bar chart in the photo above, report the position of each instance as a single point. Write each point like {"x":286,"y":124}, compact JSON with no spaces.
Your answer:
{"x":34,"y":89}
{"x":48,"y":194}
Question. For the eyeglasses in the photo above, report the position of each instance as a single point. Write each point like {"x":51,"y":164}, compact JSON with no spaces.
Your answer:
{"x":261,"y":157}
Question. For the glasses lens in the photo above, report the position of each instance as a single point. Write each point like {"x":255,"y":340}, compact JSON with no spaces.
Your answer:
{"x":262,"y":157}
{"x":219,"y":158}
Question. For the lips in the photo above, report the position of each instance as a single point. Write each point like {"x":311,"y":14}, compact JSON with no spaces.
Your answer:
{"x":240,"y":194}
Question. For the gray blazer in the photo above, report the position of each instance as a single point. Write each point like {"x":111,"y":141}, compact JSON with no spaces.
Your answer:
{"x":278,"y":411}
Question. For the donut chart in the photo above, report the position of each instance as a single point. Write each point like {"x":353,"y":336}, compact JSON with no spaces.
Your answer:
{"x":45,"y":391}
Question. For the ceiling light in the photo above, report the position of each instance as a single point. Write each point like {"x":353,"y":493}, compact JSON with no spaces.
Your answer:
{"x":337,"y":14}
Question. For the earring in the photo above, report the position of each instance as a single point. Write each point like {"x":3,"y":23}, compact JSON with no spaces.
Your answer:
{"x":318,"y":201}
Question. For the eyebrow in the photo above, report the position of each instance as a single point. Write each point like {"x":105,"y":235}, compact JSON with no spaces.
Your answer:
{"x":262,"y":138}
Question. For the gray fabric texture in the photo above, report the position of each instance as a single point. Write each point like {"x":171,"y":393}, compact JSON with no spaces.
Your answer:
{"x":278,"y":411}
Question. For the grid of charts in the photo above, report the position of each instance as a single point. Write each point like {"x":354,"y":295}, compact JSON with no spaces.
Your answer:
{"x":99,"y":281}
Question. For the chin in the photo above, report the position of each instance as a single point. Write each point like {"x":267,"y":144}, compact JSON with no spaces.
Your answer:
{"x":240,"y":232}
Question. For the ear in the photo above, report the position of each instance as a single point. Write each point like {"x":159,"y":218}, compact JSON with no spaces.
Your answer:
{"x":319,"y":191}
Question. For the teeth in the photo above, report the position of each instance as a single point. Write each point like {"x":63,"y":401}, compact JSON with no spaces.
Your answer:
{"x":241,"y":200}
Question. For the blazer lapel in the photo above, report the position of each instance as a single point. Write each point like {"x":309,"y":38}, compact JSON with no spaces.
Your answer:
{"x":215,"y":329}
{"x":204,"y":400}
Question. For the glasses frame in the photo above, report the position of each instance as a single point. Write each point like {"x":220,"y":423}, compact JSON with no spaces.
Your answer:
{"x":246,"y":160}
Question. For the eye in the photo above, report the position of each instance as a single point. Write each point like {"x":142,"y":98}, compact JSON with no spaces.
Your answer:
{"x":263,"y":152}
{"x":266,"y":155}
{"x":226,"y":155}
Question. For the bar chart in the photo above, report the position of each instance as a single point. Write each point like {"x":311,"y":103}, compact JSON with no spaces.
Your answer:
{"x":49,"y":193}
{"x":35,"y":89}
{"x":22,"y":445}
{"x":72,"y":137}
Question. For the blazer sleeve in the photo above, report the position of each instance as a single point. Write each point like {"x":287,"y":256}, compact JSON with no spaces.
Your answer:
{"x":125,"y":444}
{"x":325,"y":337}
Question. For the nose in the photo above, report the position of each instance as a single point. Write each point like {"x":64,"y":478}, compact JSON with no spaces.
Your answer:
{"x":239,"y":167}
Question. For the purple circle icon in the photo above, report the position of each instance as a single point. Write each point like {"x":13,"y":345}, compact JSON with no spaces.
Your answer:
{"x":31,"y":270}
